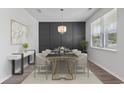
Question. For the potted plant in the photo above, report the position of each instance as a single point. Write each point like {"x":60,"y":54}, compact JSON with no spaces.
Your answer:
{"x":84,"y":44}
{"x":25,"y":46}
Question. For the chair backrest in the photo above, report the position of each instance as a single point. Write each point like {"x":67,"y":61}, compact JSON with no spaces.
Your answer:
{"x":78,"y":53}
{"x":47,"y":50}
{"x":82,"y":59}
{"x":45,"y":53}
{"x":74,"y":50}
{"x":40,"y":59}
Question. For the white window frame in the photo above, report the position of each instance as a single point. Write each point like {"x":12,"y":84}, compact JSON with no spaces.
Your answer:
{"x":106,"y":43}
{"x":104,"y":39}
{"x":92,"y":32}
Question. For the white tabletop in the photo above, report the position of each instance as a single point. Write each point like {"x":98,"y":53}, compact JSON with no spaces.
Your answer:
{"x":18,"y":57}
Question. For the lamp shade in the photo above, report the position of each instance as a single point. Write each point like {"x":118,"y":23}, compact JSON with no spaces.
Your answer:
{"x":61,"y":29}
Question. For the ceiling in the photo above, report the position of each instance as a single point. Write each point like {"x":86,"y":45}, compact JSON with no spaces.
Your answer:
{"x":55,"y":15}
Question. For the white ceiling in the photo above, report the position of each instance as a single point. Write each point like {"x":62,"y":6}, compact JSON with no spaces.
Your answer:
{"x":55,"y":15}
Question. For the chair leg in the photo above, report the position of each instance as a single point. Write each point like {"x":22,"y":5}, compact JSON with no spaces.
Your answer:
{"x":75,"y":69}
{"x":34,"y":72}
{"x":87,"y":72}
{"x":84,"y":69}
{"x":46,"y":75}
{"x":39,"y":68}
{"x":47,"y":71}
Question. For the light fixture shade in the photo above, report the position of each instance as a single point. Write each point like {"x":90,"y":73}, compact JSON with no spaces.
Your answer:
{"x":61,"y":29}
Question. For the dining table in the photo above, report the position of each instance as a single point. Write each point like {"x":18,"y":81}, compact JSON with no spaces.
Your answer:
{"x":62,"y":64}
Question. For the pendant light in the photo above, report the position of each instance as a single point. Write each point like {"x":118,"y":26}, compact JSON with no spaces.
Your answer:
{"x":62,"y":28}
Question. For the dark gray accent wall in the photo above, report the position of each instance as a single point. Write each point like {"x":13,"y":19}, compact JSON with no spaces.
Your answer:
{"x":50,"y":38}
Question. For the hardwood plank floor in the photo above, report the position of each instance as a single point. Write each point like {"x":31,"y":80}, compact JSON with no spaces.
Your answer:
{"x":104,"y":76}
{"x":17,"y":79}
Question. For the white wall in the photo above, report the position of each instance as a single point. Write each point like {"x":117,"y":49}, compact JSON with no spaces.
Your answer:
{"x":109,"y":60}
{"x":5,"y":45}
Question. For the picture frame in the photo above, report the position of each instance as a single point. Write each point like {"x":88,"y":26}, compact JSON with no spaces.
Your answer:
{"x":18,"y":32}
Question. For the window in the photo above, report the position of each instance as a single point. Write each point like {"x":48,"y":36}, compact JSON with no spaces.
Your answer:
{"x":104,"y":31}
{"x":110,"y":28}
{"x":96,"y":33}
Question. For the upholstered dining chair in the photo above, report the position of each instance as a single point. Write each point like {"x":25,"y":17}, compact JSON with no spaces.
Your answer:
{"x":42,"y":65}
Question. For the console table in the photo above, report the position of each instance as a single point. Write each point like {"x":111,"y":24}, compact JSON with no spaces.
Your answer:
{"x":20,"y":56}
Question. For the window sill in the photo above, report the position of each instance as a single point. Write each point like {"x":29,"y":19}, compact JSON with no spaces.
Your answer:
{"x":106,"y":49}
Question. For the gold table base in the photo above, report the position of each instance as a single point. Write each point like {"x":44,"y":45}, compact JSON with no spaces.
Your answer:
{"x":56,"y":75}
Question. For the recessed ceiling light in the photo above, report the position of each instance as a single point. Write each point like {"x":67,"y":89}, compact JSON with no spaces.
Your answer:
{"x":39,"y":10}
{"x":61,"y":9}
{"x":89,"y":9}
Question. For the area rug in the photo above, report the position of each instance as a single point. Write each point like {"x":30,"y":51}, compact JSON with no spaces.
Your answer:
{"x":80,"y":79}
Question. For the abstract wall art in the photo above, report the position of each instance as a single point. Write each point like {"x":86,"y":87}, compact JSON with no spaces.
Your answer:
{"x":18,"y":32}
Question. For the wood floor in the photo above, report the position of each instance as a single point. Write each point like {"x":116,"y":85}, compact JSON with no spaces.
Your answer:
{"x":17,"y":79}
{"x":104,"y":76}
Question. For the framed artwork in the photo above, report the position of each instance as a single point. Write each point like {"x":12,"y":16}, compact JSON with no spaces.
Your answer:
{"x":18,"y":32}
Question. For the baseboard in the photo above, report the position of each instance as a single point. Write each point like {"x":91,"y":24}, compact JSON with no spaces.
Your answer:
{"x":122,"y":79}
{"x":5,"y":79}
{"x":17,"y":70}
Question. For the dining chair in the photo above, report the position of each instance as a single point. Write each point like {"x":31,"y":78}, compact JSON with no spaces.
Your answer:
{"x":42,"y":65}
{"x":81,"y":64}
{"x":48,"y":51}
{"x":74,"y":49}
{"x":77,"y":52}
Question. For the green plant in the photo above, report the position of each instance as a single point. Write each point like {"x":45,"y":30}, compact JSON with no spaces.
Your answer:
{"x":84,"y":44}
{"x":25,"y":45}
